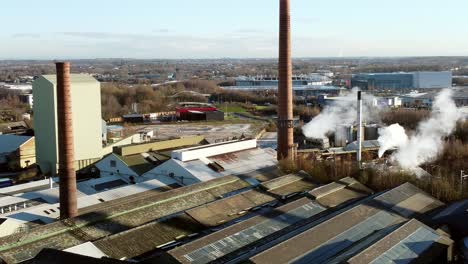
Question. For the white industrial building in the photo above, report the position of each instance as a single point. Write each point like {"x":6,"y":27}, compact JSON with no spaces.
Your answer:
{"x":199,"y":164}
{"x":87,"y":121}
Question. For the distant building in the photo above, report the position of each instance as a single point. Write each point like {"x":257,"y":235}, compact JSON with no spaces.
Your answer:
{"x":402,"y":80}
{"x":87,"y":121}
{"x":425,"y":100}
{"x":198,"y":112}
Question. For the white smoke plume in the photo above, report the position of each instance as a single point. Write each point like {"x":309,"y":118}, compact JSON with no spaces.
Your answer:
{"x":427,"y":142}
{"x":391,"y":137}
{"x":341,"y":112}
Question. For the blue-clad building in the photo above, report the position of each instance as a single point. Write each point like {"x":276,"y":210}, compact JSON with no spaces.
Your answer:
{"x":402,"y":80}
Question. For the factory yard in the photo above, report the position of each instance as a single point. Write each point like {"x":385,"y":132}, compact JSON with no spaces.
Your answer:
{"x":213,"y":132}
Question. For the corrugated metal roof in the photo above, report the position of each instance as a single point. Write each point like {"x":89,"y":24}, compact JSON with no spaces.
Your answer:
{"x":340,"y":192}
{"x":227,"y":209}
{"x":408,"y":200}
{"x":326,"y":240}
{"x":348,"y":232}
{"x":404,"y":245}
{"x":290,"y":184}
{"x":110,"y":218}
{"x":148,"y":237}
{"x":245,"y":233}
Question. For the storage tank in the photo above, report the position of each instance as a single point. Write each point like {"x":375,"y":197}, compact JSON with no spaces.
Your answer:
{"x":371,"y":132}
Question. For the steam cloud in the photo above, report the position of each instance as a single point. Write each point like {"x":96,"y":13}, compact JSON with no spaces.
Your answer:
{"x":342,"y":112}
{"x":427,"y":142}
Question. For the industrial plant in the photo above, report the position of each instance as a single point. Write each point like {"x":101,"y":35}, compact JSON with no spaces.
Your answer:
{"x":326,"y":167}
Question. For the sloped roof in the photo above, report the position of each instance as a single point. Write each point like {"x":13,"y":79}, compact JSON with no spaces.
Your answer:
{"x":137,"y":241}
{"x":116,"y":216}
{"x":10,"y":143}
{"x":353,"y":230}
{"x":219,"y":212}
{"x":408,"y":243}
{"x":248,"y":234}
{"x":289,"y":184}
{"x":137,"y":163}
{"x":340,"y":192}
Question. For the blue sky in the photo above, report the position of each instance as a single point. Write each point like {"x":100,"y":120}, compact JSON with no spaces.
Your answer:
{"x":52,"y":29}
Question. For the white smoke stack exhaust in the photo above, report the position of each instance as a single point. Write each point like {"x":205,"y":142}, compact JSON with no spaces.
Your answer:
{"x":428,"y":140}
{"x":359,"y":128}
{"x":342,"y":112}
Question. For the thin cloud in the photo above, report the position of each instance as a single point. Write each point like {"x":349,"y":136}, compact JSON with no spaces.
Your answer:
{"x":26,"y":35}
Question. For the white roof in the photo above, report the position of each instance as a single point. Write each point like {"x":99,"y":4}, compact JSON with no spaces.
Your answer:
{"x":87,"y":249}
{"x":237,"y":163}
{"x":25,"y":186}
{"x":10,"y":143}
{"x":50,"y":212}
{"x":135,"y":188}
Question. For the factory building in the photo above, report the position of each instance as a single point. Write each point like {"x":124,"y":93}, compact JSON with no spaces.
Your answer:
{"x":402,"y":80}
{"x":272,"y":81}
{"x":17,"y":152}
{"x":204,"y":163}
{"x":227,"y":220}
{"x":87,"y":121}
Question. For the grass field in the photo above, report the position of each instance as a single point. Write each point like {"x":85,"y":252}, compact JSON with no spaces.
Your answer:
{"x":231,"y":108}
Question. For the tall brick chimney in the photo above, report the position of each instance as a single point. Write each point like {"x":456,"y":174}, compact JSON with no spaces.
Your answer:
{"x":286,"y":146}
{"x":68,"y":206}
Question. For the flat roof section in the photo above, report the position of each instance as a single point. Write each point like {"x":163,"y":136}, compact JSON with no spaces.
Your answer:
{"x":248,"y":233}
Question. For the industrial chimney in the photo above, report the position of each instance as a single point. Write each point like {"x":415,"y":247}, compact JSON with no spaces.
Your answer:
{"x":68,"y":207}
{"x":359,"y":129}
{"x":286,"y":147}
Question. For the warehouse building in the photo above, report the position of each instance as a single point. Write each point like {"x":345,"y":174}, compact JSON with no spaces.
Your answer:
{"x":402,"y":80}
{"x":226,"y":220}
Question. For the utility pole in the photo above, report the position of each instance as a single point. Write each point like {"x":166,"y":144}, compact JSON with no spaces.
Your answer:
{"x":463,"y":177}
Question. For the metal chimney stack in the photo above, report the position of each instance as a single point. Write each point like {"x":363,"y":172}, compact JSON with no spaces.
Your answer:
{"x":68,"y":207}
{"x":359,"y":129}
{"x":286,"y":147}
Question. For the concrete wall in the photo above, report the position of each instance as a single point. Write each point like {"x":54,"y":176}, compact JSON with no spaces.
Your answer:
{"x":87,"y":121}
{"x":45,"y":124}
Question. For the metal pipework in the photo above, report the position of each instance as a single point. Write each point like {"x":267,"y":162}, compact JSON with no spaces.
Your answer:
{"x":67,"y":175}
{"x":359,"y":129}
{"x":286,"y":146}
